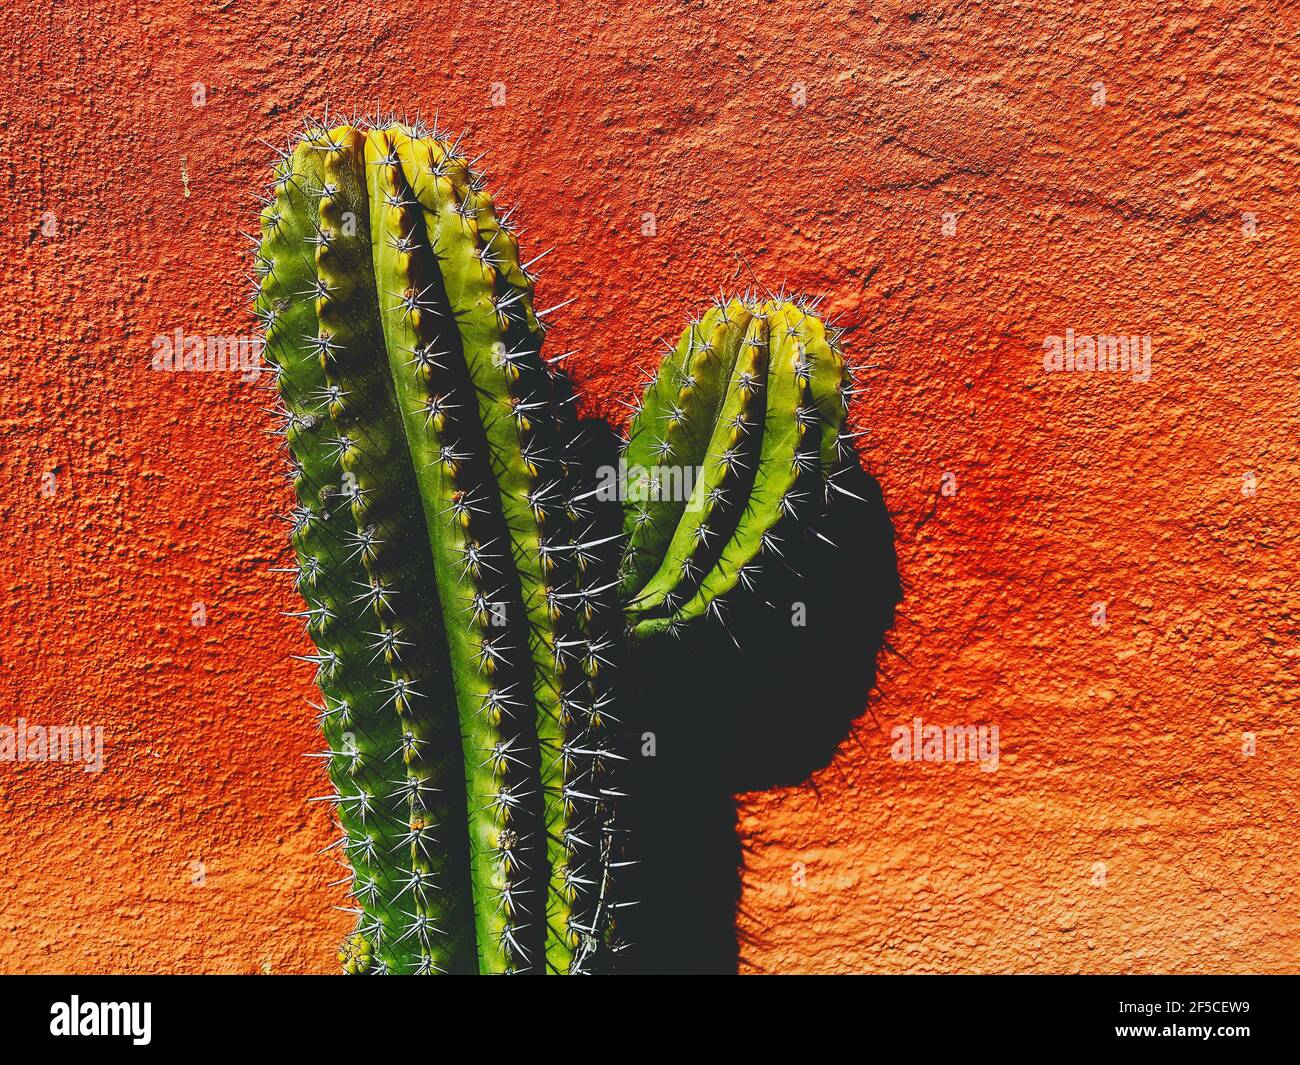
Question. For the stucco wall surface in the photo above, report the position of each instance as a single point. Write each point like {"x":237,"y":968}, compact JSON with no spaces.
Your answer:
{"x":961,"y":181}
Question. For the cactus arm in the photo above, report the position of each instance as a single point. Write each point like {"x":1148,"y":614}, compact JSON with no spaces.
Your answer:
{"x":737,"y":520}
{"x":360,"y":730}
{"x":789,"y":455}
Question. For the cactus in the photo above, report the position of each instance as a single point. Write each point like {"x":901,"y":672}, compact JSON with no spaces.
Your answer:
{"x":466,"y":611}
{"x":444,"y":559}
{"x":736,"y":446}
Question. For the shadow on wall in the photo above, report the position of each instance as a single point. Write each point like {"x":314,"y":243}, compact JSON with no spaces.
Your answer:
{"x":726,"y":720}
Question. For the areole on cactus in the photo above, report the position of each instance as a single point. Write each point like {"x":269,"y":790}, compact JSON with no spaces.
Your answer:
{"x":467,"y":615}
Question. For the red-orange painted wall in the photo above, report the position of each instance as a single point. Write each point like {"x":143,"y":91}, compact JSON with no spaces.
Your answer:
{"x":1120,"y":748}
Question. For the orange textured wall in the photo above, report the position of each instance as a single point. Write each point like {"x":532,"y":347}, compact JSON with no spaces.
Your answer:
{"x":816,"y":144}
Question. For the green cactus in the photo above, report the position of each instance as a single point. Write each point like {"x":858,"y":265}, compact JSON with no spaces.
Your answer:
{"x":466,"y":606}
{"x":735,"y":447}
{"x":442,"y":555}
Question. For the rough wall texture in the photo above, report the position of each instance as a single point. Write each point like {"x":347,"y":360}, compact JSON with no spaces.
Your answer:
{"x":963,"y":181}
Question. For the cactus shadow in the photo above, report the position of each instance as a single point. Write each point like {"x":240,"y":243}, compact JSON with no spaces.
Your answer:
{"x":725,"y":719}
